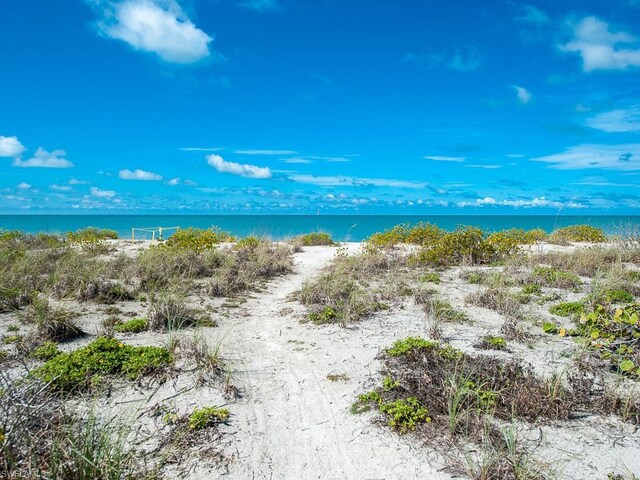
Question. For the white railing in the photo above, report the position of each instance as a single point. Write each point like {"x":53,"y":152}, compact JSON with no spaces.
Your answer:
{"x":156,"y":233}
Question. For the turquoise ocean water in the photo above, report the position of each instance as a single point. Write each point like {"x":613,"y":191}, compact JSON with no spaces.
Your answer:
{"x":341,"y":227}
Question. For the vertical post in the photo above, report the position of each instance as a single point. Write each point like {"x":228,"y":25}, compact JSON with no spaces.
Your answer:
{"x":160,"y":234}
{"x":133,"y":235}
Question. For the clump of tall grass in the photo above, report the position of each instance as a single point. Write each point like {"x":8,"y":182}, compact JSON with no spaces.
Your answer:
{"x":313,"y":239}
{"x":51,"y":322}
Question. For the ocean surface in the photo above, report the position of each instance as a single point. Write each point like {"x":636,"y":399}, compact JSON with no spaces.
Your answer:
{"x":341,"y":227}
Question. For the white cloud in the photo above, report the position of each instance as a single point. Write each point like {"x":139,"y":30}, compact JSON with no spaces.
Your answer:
{"x":74,"y":181}
{"x":244,"y":170}
{"x":60,"y":188}
{"x":96,"y":192}
{"x":44,"y":159}
{"x":607,"y":157}
{"x":444,"y":158}
{"x":11,"y":147}
{"x":179,"y":181}
{"x":344,"y":181}
{"x":524,"y":95}
{"x":261,"y":5}
{"x":617,"y":121}
{"x":602,"y":49}
{"x":532,"y":203}
{"x":23,"y":186}
{"x":534,"y":15}
{"x":138,"y":174}
{"x":156,"y":26}
{"x":265,"y":152}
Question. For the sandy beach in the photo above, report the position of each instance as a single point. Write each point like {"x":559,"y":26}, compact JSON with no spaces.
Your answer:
{"x":289,"y":384}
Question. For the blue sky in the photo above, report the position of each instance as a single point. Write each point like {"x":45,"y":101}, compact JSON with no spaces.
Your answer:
{"x":295,"y":106}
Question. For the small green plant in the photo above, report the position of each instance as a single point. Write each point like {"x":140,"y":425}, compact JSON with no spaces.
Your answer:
{"x":388,"y":384}
{"x":46,"y":351}
{"x":549,"y":327}
{"x":431,"y":277}
{"x":532,"y":289}
{"x":567,"y":309}
{"x":82,"y":368}
{"x":618,"y":296}
{"x":409,"y":345}
{"x":337,"y":377}
{"x":326,"y":315}
{"x":491,"y":342}
{"x":135,"y":325}
{"x":206,"y":417}
{"x":405,"y":414}
{"x":474,"y":278}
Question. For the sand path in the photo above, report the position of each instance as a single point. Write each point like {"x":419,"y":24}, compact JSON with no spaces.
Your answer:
{"x":292,"y":422}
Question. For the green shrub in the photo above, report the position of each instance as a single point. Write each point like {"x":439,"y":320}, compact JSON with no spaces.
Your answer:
{"x":82,"y":368}
{"x":467,"y":245}
{"x":424,"y":234}
{"x":567,"y":309}
{"x":389,"y":238}
{"x":313,"y":239}
{"x":197,"y":240}
{"x":549,"y":327}
{"x":135,"y":325}
{"x":206,"y":417}
{"x":578,"y":233}
{"x":11,"y":339}
{"x":474,"y":278}
{"x":91,"y":235}
{"x":46,"y":351}
{"x":247,"y":242}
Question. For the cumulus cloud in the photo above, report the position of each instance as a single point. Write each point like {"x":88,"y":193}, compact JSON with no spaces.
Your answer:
{"x":524,"y":95}
{"x":11,"y":147}
{"x":242,"y":169}
{"x":617,"y":121}
{"x":44,"y":159}
{"x":23,"y":186}
{"x":96,"y":192}
{"x":138,"y":174}
{"x":156,"y":26}
{"x":589,"y":156}
{"x":444,"y":158}
{"x":601,"y":48}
